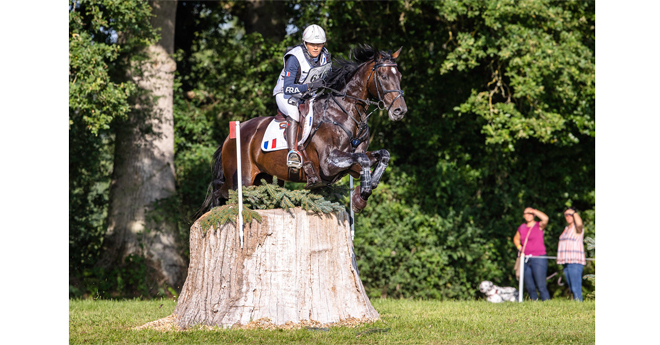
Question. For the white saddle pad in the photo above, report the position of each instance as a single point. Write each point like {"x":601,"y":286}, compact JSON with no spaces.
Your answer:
{"x":274,"y":137}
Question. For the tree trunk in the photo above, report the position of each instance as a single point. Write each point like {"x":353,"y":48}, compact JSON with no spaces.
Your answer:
{"x":144,"y":164}
{"x":292,"y":269}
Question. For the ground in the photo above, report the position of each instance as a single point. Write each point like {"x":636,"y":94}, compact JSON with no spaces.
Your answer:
{"x":559,"y":321}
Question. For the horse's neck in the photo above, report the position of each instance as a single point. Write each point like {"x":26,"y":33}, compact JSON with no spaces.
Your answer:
{"x":356,"y":89}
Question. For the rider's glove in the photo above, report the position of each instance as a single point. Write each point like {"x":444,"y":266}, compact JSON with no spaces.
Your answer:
{"x":316,"y":84}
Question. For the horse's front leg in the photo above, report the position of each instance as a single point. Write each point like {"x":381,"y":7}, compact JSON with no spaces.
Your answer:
{"x":383,"y":158}
{"x":339,"y":161}
{"x":380,"y":159}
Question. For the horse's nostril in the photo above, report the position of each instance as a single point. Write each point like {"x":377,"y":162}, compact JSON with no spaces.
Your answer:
{"x":397,"y":111}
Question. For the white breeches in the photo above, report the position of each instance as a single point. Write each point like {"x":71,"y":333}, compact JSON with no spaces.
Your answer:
{"x":290,"y":110}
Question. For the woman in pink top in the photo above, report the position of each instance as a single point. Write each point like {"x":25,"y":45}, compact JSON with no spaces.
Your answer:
{"x":570,"y":252}
{"x":535,"y":268}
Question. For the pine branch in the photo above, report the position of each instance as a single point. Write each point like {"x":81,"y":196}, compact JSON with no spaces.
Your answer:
{"x":270,"y":196}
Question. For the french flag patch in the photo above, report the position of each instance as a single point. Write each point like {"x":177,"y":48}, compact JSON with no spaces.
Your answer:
{"x":270,"y":144}
{"x":288,"y":73}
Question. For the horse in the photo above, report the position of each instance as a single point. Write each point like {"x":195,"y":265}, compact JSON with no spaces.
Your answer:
{"x":338,"y":143}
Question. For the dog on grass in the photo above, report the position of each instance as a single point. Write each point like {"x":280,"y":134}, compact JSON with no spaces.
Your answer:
{"x":496,"y":294}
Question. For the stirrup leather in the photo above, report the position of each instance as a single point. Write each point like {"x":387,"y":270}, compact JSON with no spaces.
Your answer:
{"x":294,"y":159}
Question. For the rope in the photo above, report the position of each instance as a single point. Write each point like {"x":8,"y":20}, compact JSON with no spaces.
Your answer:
{"x":550,"y":257}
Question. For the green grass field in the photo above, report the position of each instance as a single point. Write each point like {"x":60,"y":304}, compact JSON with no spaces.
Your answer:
{"x":403,"y":322}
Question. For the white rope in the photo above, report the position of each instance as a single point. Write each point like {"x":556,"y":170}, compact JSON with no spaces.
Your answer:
{"x":551,"y":257}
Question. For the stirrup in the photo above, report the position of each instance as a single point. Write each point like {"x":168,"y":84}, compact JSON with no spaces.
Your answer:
{"x":294,"y":159}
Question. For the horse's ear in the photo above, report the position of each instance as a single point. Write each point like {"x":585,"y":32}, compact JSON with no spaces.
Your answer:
{"x":396,"y":53}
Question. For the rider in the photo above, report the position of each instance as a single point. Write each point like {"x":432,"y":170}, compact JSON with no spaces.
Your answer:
{"x":290,"y":88}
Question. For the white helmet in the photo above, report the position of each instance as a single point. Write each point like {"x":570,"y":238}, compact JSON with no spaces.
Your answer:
{"x":314,"y":34}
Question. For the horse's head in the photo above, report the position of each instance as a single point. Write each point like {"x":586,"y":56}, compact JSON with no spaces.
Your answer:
{"x":384,"y":83}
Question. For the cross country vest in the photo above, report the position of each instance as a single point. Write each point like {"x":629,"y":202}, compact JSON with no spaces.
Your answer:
{"x":305,"y":66}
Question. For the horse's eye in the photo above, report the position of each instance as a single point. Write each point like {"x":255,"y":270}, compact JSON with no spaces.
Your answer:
{"x":384,"y":77}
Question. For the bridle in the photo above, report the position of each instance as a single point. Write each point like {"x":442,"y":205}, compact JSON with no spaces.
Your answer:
{"x":362,"y":125}
{"x":377,"y":83}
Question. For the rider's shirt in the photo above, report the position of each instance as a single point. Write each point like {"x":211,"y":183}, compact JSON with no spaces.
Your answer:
{"x":297,"y":63}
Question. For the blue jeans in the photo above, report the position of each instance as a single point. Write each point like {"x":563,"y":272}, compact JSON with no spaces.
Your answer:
{"x":535,"y":273}
{"x":573,"y":274}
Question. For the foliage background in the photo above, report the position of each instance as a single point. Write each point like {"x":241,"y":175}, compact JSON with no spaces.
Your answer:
{"x":501,"y":100}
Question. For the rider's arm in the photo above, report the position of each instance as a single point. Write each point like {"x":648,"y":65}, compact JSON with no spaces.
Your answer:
{"x":290,"y":73}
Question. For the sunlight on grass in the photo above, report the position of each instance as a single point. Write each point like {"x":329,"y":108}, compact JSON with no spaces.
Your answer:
{"x":403,"y":322}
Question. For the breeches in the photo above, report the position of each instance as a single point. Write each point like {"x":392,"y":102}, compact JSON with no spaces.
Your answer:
{"x":286,"y":108}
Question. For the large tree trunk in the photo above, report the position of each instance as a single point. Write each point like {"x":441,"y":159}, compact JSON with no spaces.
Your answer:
{"x":291,"y":270}
{"x":144,"y":164}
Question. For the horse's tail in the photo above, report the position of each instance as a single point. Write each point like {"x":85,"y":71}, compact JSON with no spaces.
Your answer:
{"x":213,"y":196}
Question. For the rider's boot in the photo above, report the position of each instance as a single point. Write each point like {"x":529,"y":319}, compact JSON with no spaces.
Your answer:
{"x":293,"y":159}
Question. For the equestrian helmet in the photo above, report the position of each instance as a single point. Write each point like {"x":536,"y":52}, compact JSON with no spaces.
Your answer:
{"x":313,"y":34}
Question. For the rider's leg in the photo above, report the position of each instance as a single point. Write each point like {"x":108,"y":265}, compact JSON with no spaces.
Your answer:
{"x":290,"y":108}
{"x":293,"y":158}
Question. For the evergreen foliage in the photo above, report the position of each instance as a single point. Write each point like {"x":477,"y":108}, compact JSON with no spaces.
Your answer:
{"x":591,"y":247}
{"x":266,"y":197}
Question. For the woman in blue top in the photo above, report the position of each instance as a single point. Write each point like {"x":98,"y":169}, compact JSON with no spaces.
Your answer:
{"x":291,"y":83}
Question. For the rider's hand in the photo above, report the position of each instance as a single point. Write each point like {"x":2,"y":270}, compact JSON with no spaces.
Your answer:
{"x":316,"y":84}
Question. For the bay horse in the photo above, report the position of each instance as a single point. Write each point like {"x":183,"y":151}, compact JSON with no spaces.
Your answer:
{"x":338,"y":142}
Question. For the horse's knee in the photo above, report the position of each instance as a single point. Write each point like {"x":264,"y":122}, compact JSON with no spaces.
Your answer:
{"x":384,"y":156}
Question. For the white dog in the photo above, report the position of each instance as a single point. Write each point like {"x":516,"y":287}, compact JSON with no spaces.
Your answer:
{"x":496,"y":294}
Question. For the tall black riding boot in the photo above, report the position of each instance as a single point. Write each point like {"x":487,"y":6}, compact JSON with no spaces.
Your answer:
{"x":293,"y":159}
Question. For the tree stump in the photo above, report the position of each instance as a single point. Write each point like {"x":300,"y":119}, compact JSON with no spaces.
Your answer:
{"x":296,"y":267}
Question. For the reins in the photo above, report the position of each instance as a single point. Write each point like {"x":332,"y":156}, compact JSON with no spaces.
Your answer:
{"x":363,"y":127}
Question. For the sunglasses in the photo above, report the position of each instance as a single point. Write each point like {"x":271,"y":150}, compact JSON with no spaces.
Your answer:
{"x":528,"y":213}
{"x":568,"y":214}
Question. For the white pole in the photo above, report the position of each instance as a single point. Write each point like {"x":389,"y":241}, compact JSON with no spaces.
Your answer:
{"x":240,"y":181}
{"x":352,"y":215}
{"x":522,"y":278}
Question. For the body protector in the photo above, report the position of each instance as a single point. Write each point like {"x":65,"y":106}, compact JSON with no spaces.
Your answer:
{"x":306,"y":64}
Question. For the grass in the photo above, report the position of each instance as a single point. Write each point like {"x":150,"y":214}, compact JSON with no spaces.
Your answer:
{"x":403,"y":322}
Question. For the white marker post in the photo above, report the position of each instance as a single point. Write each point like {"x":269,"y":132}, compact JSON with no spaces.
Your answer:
{"x":522,"y":278}
{"x":352,"y":215}
{"x":235,"y":133}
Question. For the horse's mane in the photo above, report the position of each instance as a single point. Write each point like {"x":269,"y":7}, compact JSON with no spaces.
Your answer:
{"x":344,"y":69}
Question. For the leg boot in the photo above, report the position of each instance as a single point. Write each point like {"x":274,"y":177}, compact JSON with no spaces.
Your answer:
{"x":293,"y":159}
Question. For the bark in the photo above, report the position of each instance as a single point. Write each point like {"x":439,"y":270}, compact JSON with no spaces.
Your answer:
{"x":144,"y":164}
{"x":292,"y":269}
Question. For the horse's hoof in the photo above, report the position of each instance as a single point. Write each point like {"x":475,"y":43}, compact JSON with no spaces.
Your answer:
{"x":358,"y":203}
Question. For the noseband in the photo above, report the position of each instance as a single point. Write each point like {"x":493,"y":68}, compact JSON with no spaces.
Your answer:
{"x":381,"y":97}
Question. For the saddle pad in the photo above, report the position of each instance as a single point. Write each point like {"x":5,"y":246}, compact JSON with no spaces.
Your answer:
{"x":274,"y":137}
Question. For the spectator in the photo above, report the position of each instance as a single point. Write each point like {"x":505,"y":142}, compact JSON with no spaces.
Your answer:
{"x":535,"y":269}
{"x":570,"y":252}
